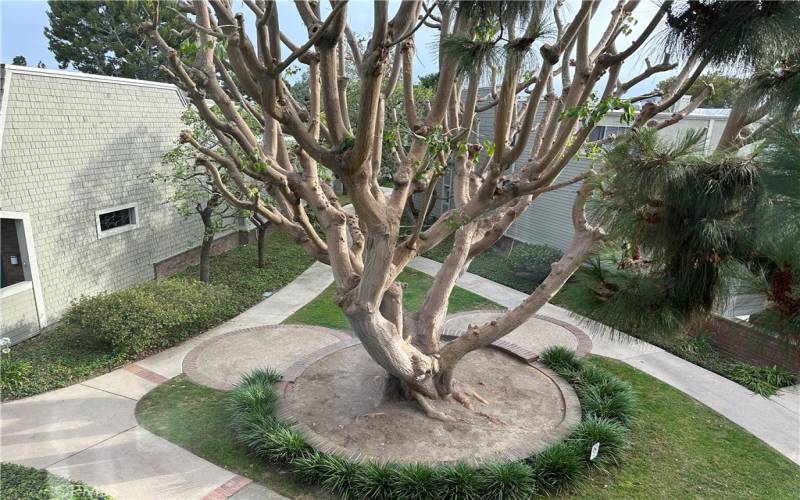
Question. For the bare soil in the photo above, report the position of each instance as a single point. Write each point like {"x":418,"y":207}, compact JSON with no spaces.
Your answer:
{"x":346,"y":404}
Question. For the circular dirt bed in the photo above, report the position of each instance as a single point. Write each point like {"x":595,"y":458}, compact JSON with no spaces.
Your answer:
{"x":220,"y":362}
{"x":344,"y":403}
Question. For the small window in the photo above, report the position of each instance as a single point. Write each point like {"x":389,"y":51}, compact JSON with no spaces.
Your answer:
{"x":116,"y":220}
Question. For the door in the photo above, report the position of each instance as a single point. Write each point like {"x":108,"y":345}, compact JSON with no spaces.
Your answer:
{"x":21,"y":306}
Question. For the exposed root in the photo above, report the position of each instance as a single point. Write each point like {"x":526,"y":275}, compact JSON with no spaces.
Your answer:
{"x":430,"y":410}
{"x":465,"y":400}
{"x":478,"y":397}
{"x":371,"y":415}
{"x":465,"y":395}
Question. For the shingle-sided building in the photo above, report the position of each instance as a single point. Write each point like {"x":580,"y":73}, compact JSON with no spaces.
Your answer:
{"x":78,"y":213}
{"x":548,"y":221}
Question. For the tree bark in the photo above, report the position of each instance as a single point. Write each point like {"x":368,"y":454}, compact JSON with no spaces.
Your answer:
{"x":205,"y":258}
{"x":262,"y":246}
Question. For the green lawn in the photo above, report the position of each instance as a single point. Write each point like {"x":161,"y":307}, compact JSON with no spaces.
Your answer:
{"x":61,"y":355}
{"x":322,"y":311}
{"x":503,"y":266}
{"x":681,"y":449}
{"x":195,"y":417}
{"x":237,"y":269}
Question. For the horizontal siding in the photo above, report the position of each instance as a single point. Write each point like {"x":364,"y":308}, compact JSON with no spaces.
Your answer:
{"x":548,"y":220}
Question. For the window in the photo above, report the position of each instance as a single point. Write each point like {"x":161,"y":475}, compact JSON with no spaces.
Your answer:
{"x":116,"y":220}
{"x":603,"y":131}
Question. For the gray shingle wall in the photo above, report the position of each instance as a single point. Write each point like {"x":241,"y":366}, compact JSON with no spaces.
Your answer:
{"x":75,"y":146}
{"x":18,"y":313}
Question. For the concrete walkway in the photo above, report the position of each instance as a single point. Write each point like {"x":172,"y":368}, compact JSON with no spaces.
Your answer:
{"x":89,"y":432}
{"x":774,"y":420}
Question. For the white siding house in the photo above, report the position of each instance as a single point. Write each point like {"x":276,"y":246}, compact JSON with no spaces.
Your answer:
{"x":548,"y":221}
{"x":79,"y":215}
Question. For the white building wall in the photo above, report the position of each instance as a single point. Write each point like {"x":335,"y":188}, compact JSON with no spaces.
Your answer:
{"x":548,"y":220}
{"x":74,"y":144}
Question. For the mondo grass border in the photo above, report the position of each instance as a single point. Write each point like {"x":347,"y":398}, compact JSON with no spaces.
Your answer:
{"x":608,"y":405}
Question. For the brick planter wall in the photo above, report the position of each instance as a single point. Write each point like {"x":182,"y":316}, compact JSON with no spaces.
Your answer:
{"x":181,"y":261}
{"x":739,"y":340}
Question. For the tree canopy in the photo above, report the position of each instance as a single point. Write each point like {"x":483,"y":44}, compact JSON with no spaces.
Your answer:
{"x":101,"y":37}
{"x":726,"y":88}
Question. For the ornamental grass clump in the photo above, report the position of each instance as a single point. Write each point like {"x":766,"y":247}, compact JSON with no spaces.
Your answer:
{"x":416,"y":481}
{"x":610,"y":435}
{"x":459,"y":482}
{"x":557,"y":468}
{"x":507,"y":480}
{"x":612,"y":399}
{"x":374,"y":480}
{"x":561,"y":360}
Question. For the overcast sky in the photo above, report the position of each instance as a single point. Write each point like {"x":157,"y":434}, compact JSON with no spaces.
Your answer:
{"x":22,"y":24}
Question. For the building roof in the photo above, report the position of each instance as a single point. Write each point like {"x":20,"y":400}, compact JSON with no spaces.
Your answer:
{"x":58,"y":73}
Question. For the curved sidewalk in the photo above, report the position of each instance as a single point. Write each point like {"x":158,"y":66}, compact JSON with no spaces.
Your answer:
{"x":88,"y":431}
{"x":774,"y":420}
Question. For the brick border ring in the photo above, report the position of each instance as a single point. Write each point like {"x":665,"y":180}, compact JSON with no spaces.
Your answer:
{"x":571,"y":406}
{"x":584,"y":342}
{"x":190,"y":368}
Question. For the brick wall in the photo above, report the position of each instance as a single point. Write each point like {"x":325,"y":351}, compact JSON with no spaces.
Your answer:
{"x":741,"y":341}
{"x":176,"y":263}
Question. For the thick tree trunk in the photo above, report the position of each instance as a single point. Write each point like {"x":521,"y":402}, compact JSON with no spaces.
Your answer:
{"x":262,"y":247}
{"x":205,"y":258}
{"x":208,"y":238}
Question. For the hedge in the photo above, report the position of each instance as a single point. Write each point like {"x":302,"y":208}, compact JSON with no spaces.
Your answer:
{"x":152,"y":315}
{"x":608,"y":408}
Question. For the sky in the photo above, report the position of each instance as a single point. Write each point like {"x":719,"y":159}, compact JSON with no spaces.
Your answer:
{"x":22,"y":24}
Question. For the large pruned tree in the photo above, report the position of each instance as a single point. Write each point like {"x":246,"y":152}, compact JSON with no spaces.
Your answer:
{"x":571,"y":80}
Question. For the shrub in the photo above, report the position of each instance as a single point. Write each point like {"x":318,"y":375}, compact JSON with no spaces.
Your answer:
{"x":29,"y":483}
{"x":772,"y":321}
{"x":610,"y":435}
{"x":762,"y":380}
{"x":151,"y":315}
{"x":534,"y":261}
{"x":507,"y":480}
{"x":522,"y":267}
{"x":557,"y":467}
